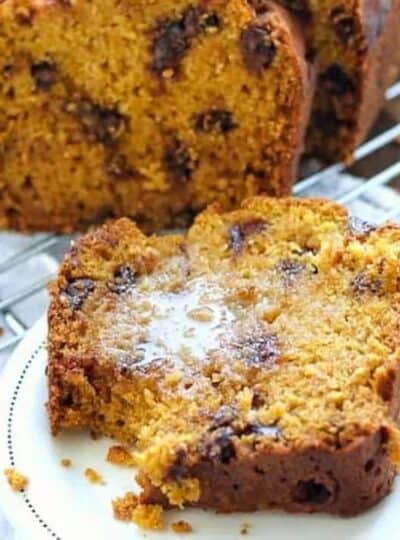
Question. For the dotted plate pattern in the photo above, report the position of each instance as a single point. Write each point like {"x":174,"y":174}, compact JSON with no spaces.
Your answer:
{"x":27,"y":501}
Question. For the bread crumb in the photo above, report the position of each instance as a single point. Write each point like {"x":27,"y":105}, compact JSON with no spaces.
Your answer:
{"x":181,"y":527}
{"x":148,"y":516}
{"x":123,"y":507}
{"x":1,"y":331}
{"x":118,"y":455}
{"x":65,"y":462}
{"x":16,"y":480}
{"x":244,"y":529}
{"x":93,"y":476}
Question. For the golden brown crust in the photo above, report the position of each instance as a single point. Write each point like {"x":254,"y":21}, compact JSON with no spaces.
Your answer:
{"x":212,"y":354}
{"x":345,"y":482}
{"x":382,"y":64}
{"x":356,"y":48}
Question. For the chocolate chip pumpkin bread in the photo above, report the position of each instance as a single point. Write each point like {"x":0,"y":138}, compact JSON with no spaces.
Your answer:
{"x":356,"y":44}
{"x":251,"y":362}
{"x":145,"y":109}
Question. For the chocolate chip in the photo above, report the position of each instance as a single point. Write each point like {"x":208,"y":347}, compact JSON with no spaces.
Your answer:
{"x":239,"y":232}
{"x":104,"y":125}
{"x":219,"y":446}
{"x":224,"y":417}
{"x":330,"y":125}
{"x":210,"y":20}
{"x":178,"y":469}
{"x":215,"y":120}
{"x":261,"y":430}
{"x":259,"y":174}
{"x":169,"y":47}
{"x":299,"y":6}
{"x":77,"y":291}
{"x":118,"y":167}
{"x":261,"y":351}
{"x":363,"y":283}
{"x":327,"y":122}
{"x":178,"y":161}
{"x":258,"y":400}
{"x":336,"y":81}
{"x":66,"y":398}
{"x":124,"y":279}
{"x":311,"y":492}
{"x":291,"y":269}
{"x":44,"y":74}
{"x":257,"y":48}
{"x":226,"y":447}
{"x":173,"y":37}
{"x":24,"y":15}
{"x":359,"y":227}
{"x":344,"y":25}
{"x":7,"y":70}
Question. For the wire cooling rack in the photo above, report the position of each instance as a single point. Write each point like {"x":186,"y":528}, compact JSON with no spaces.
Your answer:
{"x":27,"y":263}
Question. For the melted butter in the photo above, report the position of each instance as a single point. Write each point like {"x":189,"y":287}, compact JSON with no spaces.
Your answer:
{"x":180,"y":327}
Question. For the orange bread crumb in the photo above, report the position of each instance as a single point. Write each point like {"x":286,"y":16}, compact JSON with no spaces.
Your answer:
{"x":16,"y":480}
{"x":65,"y":462}
{"x":148,"y":516}
{"x":118,"y":455}
{"x":93,"y":476}
{"x":181,"y":527}
{"x":244,"y":529}
{"x":123,"y":507}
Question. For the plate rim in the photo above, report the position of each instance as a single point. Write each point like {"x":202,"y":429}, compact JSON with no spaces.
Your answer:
{"x":17,"y":507}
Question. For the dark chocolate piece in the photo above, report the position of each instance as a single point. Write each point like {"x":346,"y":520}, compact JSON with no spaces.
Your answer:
{"x":178,"y":161}
{"x":102,"y":124}
{"x":124,"y":279}
{"x":215,"y":120}
{"x":262,"y":351}
{"x":173,"y":37}
{"x":239,"y":232}
{"x":336,"y":81}
{"x":257,"y":48}
{"x":77,"y":291}
{"x":363,"y":283}
{"x":344,"y":25}
{"x":44,"y":74}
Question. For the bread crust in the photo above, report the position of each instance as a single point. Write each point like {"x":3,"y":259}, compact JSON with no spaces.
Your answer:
{"x":358,"y":60}
{"x":346,"y":482}
{"x":382,"y":63}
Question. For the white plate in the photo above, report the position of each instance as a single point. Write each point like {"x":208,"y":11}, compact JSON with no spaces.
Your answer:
{"x":61,"y":504}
